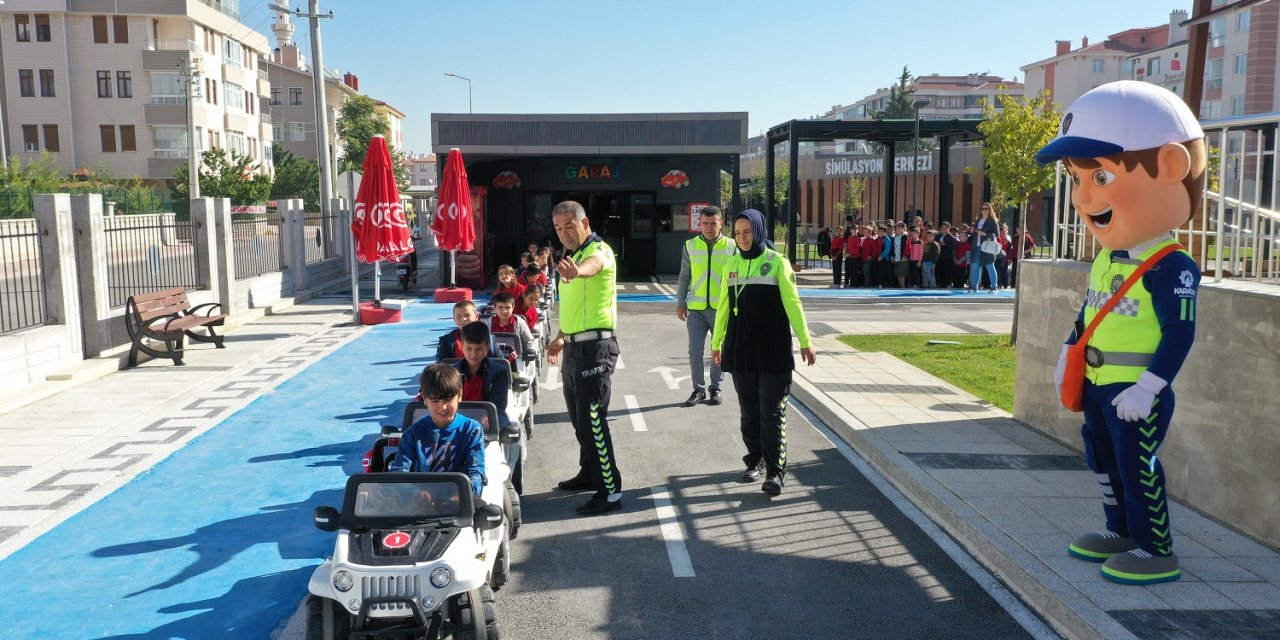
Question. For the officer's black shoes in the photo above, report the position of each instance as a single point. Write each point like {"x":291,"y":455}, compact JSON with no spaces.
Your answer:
{"x":599,"y":504}
{"x":754,"y":472}
{"x":697,"y":396}
{"x":576,"y":483}
{"x":715,"y":397}
{"x":773,"y":484}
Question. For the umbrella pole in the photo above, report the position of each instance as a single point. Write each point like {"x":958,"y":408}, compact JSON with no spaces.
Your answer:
{"x":355,"y":265}
{"x":453,"y":256}
{"x":377,"y":280}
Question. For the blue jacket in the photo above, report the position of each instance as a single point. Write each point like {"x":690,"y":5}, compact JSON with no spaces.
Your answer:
{"x":444,"y":349}
{"x":456,"y":447}
{"x":497,"y":384}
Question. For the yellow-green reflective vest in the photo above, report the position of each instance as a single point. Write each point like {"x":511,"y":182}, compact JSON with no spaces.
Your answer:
{"x":1127,"y":338}
{"x":590,"y":303}
{"x":706,"y":269}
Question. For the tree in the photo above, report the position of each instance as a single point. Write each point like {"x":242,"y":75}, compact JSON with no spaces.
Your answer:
{"x":851,"y":204}
{"x":358,"y":123}
{"x":225,"y":175}
{"x":42,"y":175}
{"x":781,"y":184}
{"x":295,"y":178}
{"x":901,"y":106}
{"x":1013,"y":134}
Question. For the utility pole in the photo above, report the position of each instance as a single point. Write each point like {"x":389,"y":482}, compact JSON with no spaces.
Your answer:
{"x":317,"y":78}
{"x":189,"y":68}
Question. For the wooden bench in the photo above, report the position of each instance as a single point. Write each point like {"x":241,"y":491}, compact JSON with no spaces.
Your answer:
{"x":167,"y":316}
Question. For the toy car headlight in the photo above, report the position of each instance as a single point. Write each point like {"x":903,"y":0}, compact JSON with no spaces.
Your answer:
{"x":342,"y":581}
{"x":428,"y":603}
{"x":441,"y":577}
{"x":353,"y":604}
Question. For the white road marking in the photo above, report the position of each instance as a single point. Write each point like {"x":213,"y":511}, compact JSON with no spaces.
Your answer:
{"x":619,"y":287}
{"x":669,"y":377}
{"x":642,"y":287}
{"x":681,"y":565}
{"x":620,"y":364}
{"x":989,"y":583}
{"x":662,"y":288}
{"x":553,"y":378}
{"x":637,"y":416}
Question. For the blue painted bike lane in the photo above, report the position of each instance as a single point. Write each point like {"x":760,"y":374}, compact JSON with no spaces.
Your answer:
{"x":216,"y":541}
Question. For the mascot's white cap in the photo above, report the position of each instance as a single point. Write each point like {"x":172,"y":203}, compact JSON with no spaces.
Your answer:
{"x":1126,"y":115}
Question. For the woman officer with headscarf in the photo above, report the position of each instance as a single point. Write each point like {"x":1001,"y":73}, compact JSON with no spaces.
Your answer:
{"x":752,"y":341}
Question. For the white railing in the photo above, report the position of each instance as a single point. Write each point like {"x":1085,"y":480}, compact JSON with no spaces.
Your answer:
{"x":171,"y":154}
{"x":1237,"y":233}
{"x":171,"y":45}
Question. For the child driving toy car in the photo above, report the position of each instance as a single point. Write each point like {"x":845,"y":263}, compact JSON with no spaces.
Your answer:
{"x":444,"y":441}
{"x":450,"y":345}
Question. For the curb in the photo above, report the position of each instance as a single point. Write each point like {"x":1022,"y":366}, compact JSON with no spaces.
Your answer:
{"x":1067,"y":610}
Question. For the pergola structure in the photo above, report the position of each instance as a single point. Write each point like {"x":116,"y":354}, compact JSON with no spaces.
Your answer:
{"x":885,"y":132}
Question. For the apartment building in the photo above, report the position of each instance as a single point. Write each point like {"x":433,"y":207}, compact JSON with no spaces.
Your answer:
{"x":1240,"y":65}
{"x":950,"y":97}
{"x":1164,"y":66}
{"x":422,"y":179}
{"x":395,"y":120}
{"x":1069,"y":73}
{"x":98,"y":84}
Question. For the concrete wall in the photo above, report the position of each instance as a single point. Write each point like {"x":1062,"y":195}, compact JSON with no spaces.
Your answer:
{"x":1220,"y":455}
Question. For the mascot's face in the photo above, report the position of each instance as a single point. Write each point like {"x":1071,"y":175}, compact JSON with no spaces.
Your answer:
{"x":1125,"y":207}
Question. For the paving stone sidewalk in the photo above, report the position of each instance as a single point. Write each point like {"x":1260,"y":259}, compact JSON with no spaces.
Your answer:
{"x":63,"y":452}
{"x":1015,"y":498}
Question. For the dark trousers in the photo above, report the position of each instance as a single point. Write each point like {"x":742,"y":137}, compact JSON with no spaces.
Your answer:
{"x":837,"y":267}
{"x":1002,"y":271}
{"x":852,"y":268}
{"x":945,"y":269}
{"x":1123,"y":455}
{"x":762,"y":401}
{"x":867,"y":264}
{"x":587,"y":378}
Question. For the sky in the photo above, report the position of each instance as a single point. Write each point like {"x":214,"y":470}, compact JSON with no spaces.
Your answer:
{"x":776,"y":60}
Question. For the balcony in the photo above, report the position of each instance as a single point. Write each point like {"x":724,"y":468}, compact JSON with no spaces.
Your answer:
{"x":171,"y":154}
{"x":222,"y":5}
{"x":171,"y":45}
{"x":266,"y":118}
{"x":164,"y":114}
{"x":165,"y":59}
{"x":262,"y":74}
{"x":163,"y":168}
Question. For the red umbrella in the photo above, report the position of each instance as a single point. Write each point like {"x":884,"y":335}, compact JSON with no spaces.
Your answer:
{"x":452,"y":225}
{"x":379,"y":225}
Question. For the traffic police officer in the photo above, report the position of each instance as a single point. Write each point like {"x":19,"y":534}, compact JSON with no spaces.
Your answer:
{"x":752,"y":340}
{"x":698,"y":297}
{"x":588,"y":317}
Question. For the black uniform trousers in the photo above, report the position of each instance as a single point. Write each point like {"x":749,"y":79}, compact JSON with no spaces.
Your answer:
{"x":587,"y":377}
{"x":762,"y":400}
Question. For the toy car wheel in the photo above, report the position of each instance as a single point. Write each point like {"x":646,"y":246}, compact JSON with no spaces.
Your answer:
{"x":326,"y":620}
{"x":528,"y":424}
{"x":475,"y":615}
{"x":511,"y":505}
{"x":501,"y":567}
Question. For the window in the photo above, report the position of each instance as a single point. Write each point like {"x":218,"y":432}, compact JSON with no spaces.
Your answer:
{"x":1153,"y":66}
{"x":104,"y":84}
{"x":128,"y":142}
{"x":1212,"y":109}
{"x":107,"y":133}
{"x":26,"y":83}
{"x":1213,"y":74}
{"x":1243,"y":19}
{"x":1240,"y":64}
{"x":99,"y":29}
{"x":43,"y":32}
{"x":120,"y":25}
{"x":167,"y":88}
{"x":235,"y":96}
{"x":30,"y":137}
{"x":51,"y":138}
{"x":295,"y":96}
{"x":1099,"y":66}
{"x":275,"y":96}
{"x":46,"y":84}
{"x":22,"y":27}
{"x":248,"y":102}
{"x":211,"y":90}
{"x":124,"y":84}
{"x":233,"y":53}
{"x":1237,"y":105}
{"x":235,"y":142}
{"x":170,"y":142}
{"x":277,"y":132}
{"x":297,"y":131}
{"x":1217,"y":29}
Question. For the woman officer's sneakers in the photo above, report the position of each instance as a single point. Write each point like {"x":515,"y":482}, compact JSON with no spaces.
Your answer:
{"x":576,"y":483}
{"x":754,"y":472}
{"x":773,"y":484}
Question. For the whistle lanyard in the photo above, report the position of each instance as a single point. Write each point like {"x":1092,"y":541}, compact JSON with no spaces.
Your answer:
{"x":737,"y":289}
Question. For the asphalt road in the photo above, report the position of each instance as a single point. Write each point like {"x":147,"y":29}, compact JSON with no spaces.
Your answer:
{"x":832,"y":557}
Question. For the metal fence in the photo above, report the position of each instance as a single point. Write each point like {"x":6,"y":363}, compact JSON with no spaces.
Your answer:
{"x":255,"y":239}
{"x":150,"y":253}
{"x":22,"y":303}
{"x":317,"y":236}
{"x":20,"y":203}
{"x":1237,"y":233}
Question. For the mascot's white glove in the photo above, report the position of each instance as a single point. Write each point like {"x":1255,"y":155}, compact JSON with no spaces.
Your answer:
{"x":1135,"y":403}
{"x":1061,"y":370}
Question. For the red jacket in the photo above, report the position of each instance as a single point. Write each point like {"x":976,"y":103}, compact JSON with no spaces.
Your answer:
{"x":870,"y":248}
{"x":853,"y":247}
{"x":837,"y":247}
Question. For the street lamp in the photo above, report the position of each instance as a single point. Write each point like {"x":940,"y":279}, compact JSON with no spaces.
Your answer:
{"x":915,"y":153}
{"x":454,"y":75}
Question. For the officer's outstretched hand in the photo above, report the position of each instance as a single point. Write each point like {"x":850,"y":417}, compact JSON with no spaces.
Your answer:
{"x":810,"y":356}
{"x":554,"y":349}
{"x":715,"y":357}
{"x":567,"y":269}
{"x":1135,"y":403}
{"x":682,"y":313}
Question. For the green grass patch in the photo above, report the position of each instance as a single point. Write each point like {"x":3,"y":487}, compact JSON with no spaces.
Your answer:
{"x":982,"y":365}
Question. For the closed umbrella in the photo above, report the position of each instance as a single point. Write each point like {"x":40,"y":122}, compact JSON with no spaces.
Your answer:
{"x":452,"y":225}
{"x":380,"y":229}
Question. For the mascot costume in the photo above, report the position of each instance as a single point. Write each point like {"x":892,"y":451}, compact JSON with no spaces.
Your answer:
{"x":1135,"y":155}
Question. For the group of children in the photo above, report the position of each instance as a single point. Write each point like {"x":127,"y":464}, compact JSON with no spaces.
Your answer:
{"x":893,"y":255}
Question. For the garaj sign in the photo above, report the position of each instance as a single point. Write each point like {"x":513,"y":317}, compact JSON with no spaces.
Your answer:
{"x":875,"y":166}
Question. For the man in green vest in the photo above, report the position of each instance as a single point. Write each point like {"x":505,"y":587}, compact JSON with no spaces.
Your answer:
{"x":588,"y":317}
{"x":698,"y":297}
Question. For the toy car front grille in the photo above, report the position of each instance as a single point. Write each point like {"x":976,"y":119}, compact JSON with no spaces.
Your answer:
{"x":405,"y":586}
